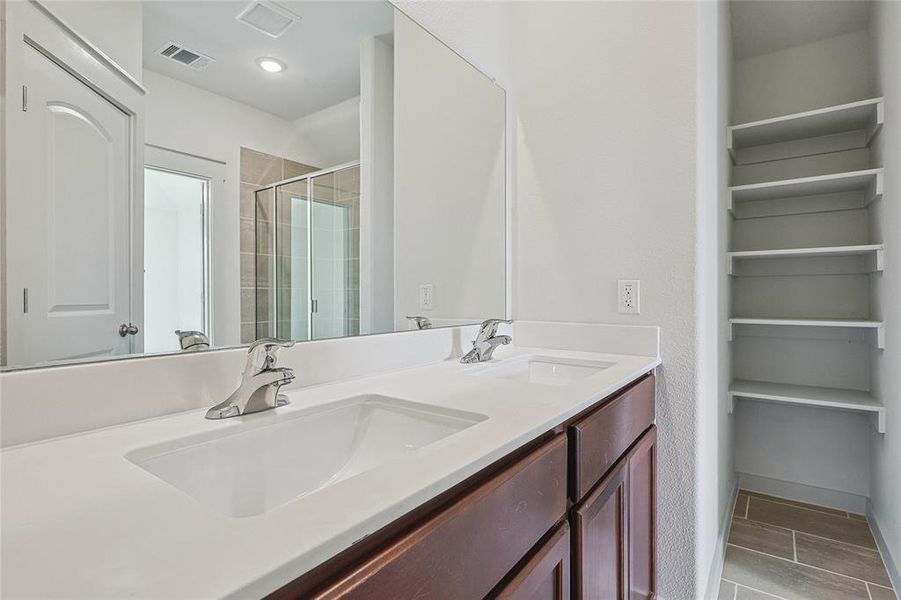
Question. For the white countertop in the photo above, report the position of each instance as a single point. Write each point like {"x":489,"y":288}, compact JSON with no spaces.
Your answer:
{"x":79,"y":520}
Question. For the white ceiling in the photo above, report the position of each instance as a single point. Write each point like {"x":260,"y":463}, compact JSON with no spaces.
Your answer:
{"x":764,"y":26}
{"x":322,"y":50}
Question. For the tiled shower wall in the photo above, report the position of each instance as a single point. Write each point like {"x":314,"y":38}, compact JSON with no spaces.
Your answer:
{"x":258,"y":169}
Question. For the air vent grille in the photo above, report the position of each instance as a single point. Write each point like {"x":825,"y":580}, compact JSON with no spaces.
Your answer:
{"x":185,"y":56}
{"x":267,"y":17}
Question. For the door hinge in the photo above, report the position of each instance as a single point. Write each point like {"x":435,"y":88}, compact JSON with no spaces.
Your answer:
{"x":24,"y":98}
{"x":25,"y":301}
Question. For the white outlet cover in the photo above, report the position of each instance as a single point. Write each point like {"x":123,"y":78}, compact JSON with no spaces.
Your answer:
{"x":628,"y":296}
{"x":426,"y":296}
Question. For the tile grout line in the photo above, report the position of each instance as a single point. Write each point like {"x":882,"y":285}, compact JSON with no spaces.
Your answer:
{"x":803,"y":564}
{"x":747,"y":507}
{"x":794,"y":546}
{"x":788,"y":502}
{"x":828,"y":539}
{"x":869,"y":595}
{"x":738,"y":585}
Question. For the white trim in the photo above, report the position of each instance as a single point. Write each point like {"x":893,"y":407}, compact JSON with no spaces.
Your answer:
{"x":719,"y":554}
{"x":800,"y":492}
{"x":91,"y":49}
{"x":890,"y":561}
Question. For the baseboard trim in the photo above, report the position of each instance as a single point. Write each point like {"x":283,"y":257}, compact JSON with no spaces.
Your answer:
{"x":803,"y":493}
{"x":719,"y":555}
{"x":891,"y":564}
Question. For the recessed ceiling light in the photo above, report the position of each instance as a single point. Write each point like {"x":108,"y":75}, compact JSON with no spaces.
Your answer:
{"x":272,"y":65}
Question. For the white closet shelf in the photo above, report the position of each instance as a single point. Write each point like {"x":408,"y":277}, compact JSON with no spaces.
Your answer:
{"x":864,"y":115}
{"x":805,"y":395}
{"x":877,"y":251}
{"x":869,"y":181}
{"x":877,"y":326}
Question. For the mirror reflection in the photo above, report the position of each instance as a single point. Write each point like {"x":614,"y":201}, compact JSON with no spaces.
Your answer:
{"x":187,"y":175}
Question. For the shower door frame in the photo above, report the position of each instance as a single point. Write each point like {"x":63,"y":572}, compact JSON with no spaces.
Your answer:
{"x":273,"y":266}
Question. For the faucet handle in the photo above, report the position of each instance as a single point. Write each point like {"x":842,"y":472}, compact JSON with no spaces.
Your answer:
{"x":421,"y":322}
{"x":489,"y":326}
{"x":269,"y":348}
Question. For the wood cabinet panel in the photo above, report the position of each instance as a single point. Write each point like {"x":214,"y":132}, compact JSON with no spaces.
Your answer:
{"x":600,"y":540}
{"x":545,"y":576}
{"x":465,"y":550}
{"x":600,"y":438}
{"x":642,"y":515}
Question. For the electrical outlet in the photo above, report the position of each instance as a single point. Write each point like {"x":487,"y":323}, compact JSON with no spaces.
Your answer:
{"x":426,"y":296}
{"x":628,"y":296}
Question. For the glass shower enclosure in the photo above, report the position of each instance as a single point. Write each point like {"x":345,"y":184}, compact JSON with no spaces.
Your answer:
{"x":307,"y":277}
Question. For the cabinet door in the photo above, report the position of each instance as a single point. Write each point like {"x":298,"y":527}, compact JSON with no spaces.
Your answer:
{"x":546,"y":575}
{"x":642,"y":487}
{"x":600,"y":548}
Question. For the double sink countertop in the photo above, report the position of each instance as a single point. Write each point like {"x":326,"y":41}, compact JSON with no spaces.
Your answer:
{"x":86,"y":516}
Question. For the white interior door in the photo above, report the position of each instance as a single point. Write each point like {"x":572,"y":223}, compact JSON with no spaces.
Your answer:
{"x":69,"y":235}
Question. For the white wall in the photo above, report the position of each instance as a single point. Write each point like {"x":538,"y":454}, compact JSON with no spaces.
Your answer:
{"x":376,"y":186}
{"x":885,"y":489}
{"x":715,"y":469}
{"x":823,"y":449}
{"x":116,"y":28}
{"x":448,"y":183}
{"x":331,"y":136}
{"x":605,"y":180}
{"x":797,"y":79}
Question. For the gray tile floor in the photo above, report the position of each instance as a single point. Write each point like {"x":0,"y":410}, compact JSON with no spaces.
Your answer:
{"x":790,"y":550}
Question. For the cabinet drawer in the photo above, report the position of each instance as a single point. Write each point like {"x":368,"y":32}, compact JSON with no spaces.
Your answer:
{"x":466,"y":549}
{"x":600,"y":438}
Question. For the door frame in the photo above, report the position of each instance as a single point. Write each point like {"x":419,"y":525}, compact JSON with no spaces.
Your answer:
{"x":31,"y":24}
{"x":216,"y":274}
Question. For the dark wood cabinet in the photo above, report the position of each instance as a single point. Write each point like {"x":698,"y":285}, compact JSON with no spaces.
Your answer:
{"x":600,"y":540}
{"x":642,"y":516}
{"x":614,"y":530}
{"x":463,"y":551}
{"x":600,"y":438}
{"x":545,"y":575}
{"x":511,"y":532}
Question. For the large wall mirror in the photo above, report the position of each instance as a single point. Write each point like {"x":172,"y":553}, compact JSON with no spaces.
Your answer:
{"x":184,"y":175}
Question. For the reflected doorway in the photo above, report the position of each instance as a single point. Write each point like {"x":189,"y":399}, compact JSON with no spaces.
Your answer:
{"x":176,"y":256}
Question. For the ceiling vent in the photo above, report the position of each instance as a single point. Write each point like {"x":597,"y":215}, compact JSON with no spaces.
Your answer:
{"x":189,"y":58}
{"x":267,"y":17}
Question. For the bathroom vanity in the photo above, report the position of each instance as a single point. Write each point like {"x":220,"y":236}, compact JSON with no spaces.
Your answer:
{"x":575,"y":509}
{"x":531,"y":475}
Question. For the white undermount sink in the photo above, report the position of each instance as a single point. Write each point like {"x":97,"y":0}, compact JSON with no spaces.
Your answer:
{"x":271,"y":459}
{"x":543,"y":370}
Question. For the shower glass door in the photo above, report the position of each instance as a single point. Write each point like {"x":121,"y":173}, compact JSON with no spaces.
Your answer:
{"x":331,"y":251}
{"x":292,"y":261}
{"x":312,"y":248}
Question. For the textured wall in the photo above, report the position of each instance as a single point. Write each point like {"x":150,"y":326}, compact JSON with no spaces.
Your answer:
{"x":886,"y":449}
{"x":605,"y":97}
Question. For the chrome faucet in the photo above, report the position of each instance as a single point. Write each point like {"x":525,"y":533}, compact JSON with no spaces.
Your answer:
{"x":421,"y":322}
{"x":486,"y":342}
{"x":259,"y":382}
{"x":192,"y":341}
